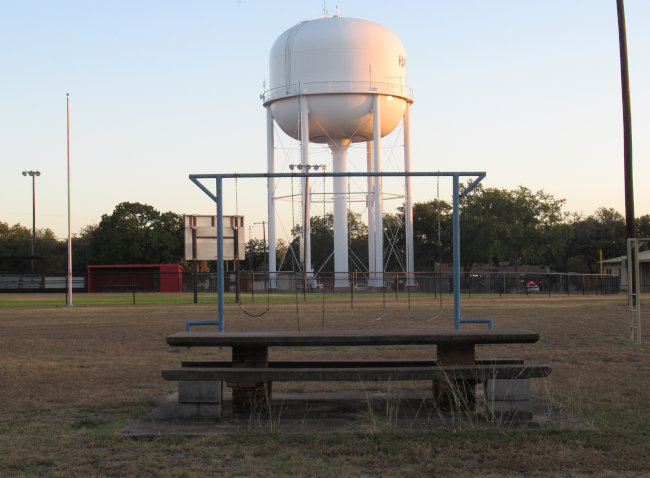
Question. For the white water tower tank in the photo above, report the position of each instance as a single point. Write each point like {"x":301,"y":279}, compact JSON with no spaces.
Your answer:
{"x":338,"y":81}
{"x":339,"y":62}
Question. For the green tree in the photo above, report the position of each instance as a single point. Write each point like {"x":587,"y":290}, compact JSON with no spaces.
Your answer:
{"x":643,"y":226}
{"x":604,"y":230}
{"x":137,"y":234}
{"x":81,"y":249}
{"x":394,"y":241}
{"x":430,"y":220}
{"x":15,"y":240}
{"x":322,"y":242}
{"x":256,"y":255}
{"x":16,"y":250}
{"x":516,"y":227}
{"x":432,"y":234}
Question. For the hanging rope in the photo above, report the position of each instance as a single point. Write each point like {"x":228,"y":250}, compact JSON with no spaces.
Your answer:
{"x":268,"y":289}
{"x":293,"y":228}
{"x":322,"y":284}
{"x":383,"y":299}
{"x":439,"y":289}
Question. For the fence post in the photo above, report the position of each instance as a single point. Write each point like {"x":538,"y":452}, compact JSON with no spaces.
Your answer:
{"x":396,"y":284}
{"x":352,"y":283}
{"x":501,"y":285}
{"x":196,"y":285}
{"x":526,"y":284}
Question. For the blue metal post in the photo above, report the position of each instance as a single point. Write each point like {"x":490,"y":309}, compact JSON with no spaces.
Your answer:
{"x":456,"y":258}
{"x":220,"y":319}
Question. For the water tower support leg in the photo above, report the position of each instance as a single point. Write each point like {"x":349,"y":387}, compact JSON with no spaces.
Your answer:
{"x":270,"y":184}
{"x":370,"y":203}
{"x":408,"y":206}
{"x":306,"y":196}
{"x":339,"y":153}
{"x":456,"y":252}
{"x":220,"y":297}
{"x":379,"y":226}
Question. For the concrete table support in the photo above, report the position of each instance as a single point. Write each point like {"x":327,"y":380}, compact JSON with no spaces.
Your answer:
{"x":452,"y":394}
{"x":250,"y":396}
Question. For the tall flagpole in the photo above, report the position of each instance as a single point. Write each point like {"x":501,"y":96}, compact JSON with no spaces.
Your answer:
{"x":69,"y":277}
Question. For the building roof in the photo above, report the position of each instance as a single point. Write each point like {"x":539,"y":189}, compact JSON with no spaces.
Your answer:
{"x":644,"y":256}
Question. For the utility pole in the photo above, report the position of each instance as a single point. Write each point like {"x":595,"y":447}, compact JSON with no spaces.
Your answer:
{"x":33,"y":174}
{"x":630,"y":226}
{"x":634,"y":303}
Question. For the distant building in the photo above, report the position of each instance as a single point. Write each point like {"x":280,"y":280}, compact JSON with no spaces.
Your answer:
{"x":139,"y":277}
{"x":618,"y":266}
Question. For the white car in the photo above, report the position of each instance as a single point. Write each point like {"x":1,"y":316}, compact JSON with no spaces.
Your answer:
{"x":532,"y":287}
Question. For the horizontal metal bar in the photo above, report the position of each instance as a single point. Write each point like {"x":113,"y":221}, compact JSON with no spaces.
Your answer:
{"x":480,"y":174}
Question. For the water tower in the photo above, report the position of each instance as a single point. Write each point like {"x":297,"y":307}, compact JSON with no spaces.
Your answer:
{"x":338,"y":81}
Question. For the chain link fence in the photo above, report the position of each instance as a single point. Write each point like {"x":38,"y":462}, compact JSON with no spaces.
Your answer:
{"x":496,"y":283}
{"x":357,"y":283}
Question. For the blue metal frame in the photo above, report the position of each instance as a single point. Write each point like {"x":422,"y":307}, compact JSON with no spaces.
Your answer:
{"x":457,"y":196}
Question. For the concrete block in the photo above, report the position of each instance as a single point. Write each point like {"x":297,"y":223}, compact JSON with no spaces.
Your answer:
{"x":498,"y":407}
{"x":199,"y":392}
{"x":507,"y":389}
{"x":199,"y":411}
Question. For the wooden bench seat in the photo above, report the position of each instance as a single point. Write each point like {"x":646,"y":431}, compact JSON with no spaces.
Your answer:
{"x":343,"y":363}
{"x":477,"y":373}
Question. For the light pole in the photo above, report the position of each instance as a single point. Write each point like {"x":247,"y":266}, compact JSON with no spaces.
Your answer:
{"x":306,"y":230}
{"x":33,"y":174}
{"x":68,"y":296}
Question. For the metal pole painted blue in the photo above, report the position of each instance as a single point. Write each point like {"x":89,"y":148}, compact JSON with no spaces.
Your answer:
{"x":456,"y":247}
{"x":220,"y":318}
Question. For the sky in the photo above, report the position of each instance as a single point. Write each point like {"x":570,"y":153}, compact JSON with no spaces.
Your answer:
{"x":527,"y":91}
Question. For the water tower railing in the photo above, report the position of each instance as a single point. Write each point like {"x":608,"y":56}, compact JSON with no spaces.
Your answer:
{"x":327,"y":87}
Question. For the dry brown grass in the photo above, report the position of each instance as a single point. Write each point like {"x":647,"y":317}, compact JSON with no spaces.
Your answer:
{"x":72,"y":377}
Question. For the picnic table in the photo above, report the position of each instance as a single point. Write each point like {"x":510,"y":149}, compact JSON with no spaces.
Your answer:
{"x":250,"y":373}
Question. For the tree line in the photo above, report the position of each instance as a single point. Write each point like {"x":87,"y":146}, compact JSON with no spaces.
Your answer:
{"x":499,"y":228}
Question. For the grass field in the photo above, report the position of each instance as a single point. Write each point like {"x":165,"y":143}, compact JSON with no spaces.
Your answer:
{"x":73,"y":377}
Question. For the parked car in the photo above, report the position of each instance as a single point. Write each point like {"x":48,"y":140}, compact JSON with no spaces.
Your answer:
{"x":532,"y":287}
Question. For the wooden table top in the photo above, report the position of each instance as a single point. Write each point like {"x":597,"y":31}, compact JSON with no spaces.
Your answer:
{"x":351,"y":338}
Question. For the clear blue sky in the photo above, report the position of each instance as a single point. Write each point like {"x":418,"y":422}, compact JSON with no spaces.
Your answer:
{"x":528,"y":91}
